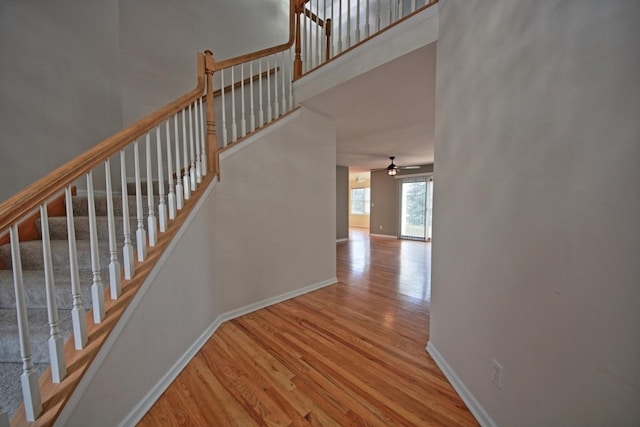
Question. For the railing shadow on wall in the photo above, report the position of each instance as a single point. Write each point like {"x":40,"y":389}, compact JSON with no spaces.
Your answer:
{"x":161,"y":163}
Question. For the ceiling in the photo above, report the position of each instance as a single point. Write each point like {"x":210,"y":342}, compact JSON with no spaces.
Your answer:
{"x":387,"y":111}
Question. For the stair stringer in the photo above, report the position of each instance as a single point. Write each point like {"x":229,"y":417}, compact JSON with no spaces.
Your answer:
{"x":194,"y":287}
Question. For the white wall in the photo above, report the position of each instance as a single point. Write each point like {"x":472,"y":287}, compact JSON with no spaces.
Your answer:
{"x":59,"y":85}
{"x":74,"y":72}
{"x":535,"y":256}
{"x":266,"y":230}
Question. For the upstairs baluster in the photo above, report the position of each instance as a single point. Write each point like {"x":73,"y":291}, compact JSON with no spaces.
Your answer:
{"x":162,"y":205}
{"x":97,"y":289}
{"x":340,"y":26}
{"x":78,"y":315}
{"x":152,"y":222}
{"x":234,"y":127}
{"x":283,"y":102}
{"x":115,"y":279}
{"x":192,"y":154}
{"x":171,"y":197}
{"x":185,"y":172}
{"x":203,"y":141}
{"x":291,"y":79}
{"x":377,"y":15}
{"x":366,"y":24}
{"x":198,"y":144}
{"x":141,"y":233}
{"x":269,"y":110}
{"x":29,"y":377}
{"x":348,"y":24}
{"x":56,"y":343}
{"x":127,"y":249}
{"x":261,"y":112}
{"x":179,"y":188}
{"x":252,"y":116}
{"x":276,"y":104}
{"x":224,"y":110}
{"x":358,"y":21}
{"x":413,"y":6}
{"x":243,"y":121}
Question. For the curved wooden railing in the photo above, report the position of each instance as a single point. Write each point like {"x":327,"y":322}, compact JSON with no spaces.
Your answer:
{"x":254,"y":90}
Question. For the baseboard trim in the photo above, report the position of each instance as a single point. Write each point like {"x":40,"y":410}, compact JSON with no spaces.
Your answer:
{"x":154,"y":394}
{"x":344,"y":239}
{"x":474,"y":406}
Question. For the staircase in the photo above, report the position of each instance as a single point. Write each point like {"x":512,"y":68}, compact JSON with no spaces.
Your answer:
{"x":34,"y":286}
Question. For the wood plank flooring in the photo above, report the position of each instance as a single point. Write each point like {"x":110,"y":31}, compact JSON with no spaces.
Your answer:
{"x":350,"y":354}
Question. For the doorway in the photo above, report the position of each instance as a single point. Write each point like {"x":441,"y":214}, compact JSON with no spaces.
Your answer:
{"x":416,"y":207}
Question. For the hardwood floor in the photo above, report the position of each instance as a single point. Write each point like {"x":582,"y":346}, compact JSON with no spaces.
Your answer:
{"x":350,"y":354}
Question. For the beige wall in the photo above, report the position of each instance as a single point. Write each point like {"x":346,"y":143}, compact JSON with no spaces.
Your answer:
{"x":535,"y":256}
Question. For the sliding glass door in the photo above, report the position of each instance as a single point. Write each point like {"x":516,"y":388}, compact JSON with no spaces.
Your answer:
{"x":416,"y":204}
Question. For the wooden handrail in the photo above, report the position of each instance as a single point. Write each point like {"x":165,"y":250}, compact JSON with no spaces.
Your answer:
{"x":268,"y":51}
{"x":313,"y":17}
{"x":25,"y":201}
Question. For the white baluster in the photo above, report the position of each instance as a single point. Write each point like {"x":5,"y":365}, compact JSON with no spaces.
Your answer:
{"x":413,"y":6}
{"x":198,"y":143}
{"x":185,"y":173}
{"x":56,"y":343}
{"x":400,"y":10}
{"x":261,"y":112}
{"x":115,"y":276}
{"x":78,"y":315}
{"x":152,"y":222}
{"x":171,"y":197}
{"x":366,"y":24}
{"x":348,"y":24}
{"x":332,"y":32}
{"x":305,"y":43}
{"x":243,"y":121}
{"x":283,"y":105}
{"x":162,"y":205}
{"x":323,"y":33}
{"x":269,"y":110}
{"x":127,"y":249}
{"x":377,"y":15}
{"x":203,"y":138}
{"x":318,"y":32}
{"x":390,"y":10}
{"x":291,"y":78}
{"x":192,"y":156}
{"x":97,"y":290}
{"x":141,"y":234}
{"x":29,"y":377}
{"x":179,"y":189}
{"x":276,"y":104}
{"x":358,"y":22}
{"x":340,"y":27}
{"x":224,"y":110}
{"x":234,"y":127}
{"x":252,"y":117}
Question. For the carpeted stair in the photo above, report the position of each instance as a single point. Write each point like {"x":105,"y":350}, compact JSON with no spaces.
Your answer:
{"x":34,"y":286}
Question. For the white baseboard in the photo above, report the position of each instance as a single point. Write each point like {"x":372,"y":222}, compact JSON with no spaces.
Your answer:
{"x":474,"y":406}
{"x":154,"y":394}
{"x":345,"y":239}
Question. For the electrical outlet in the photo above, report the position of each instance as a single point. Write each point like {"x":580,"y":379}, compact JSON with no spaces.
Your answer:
{"x":496,"y":374}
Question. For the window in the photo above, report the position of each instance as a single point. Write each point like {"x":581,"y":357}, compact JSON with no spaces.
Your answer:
{"x":360,"y":201}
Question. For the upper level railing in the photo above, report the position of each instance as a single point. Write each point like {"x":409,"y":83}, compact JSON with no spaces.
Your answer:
{"x":177,"y":146}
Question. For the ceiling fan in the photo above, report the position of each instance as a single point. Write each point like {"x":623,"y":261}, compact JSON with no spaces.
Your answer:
{"x":392,"y":169}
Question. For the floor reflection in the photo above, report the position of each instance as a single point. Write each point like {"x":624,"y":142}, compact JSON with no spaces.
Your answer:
{"x":405,"y":265}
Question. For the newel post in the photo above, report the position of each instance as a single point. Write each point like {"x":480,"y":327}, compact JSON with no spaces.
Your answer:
{"x":212,"y":139}
{"x":297,"y":62}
